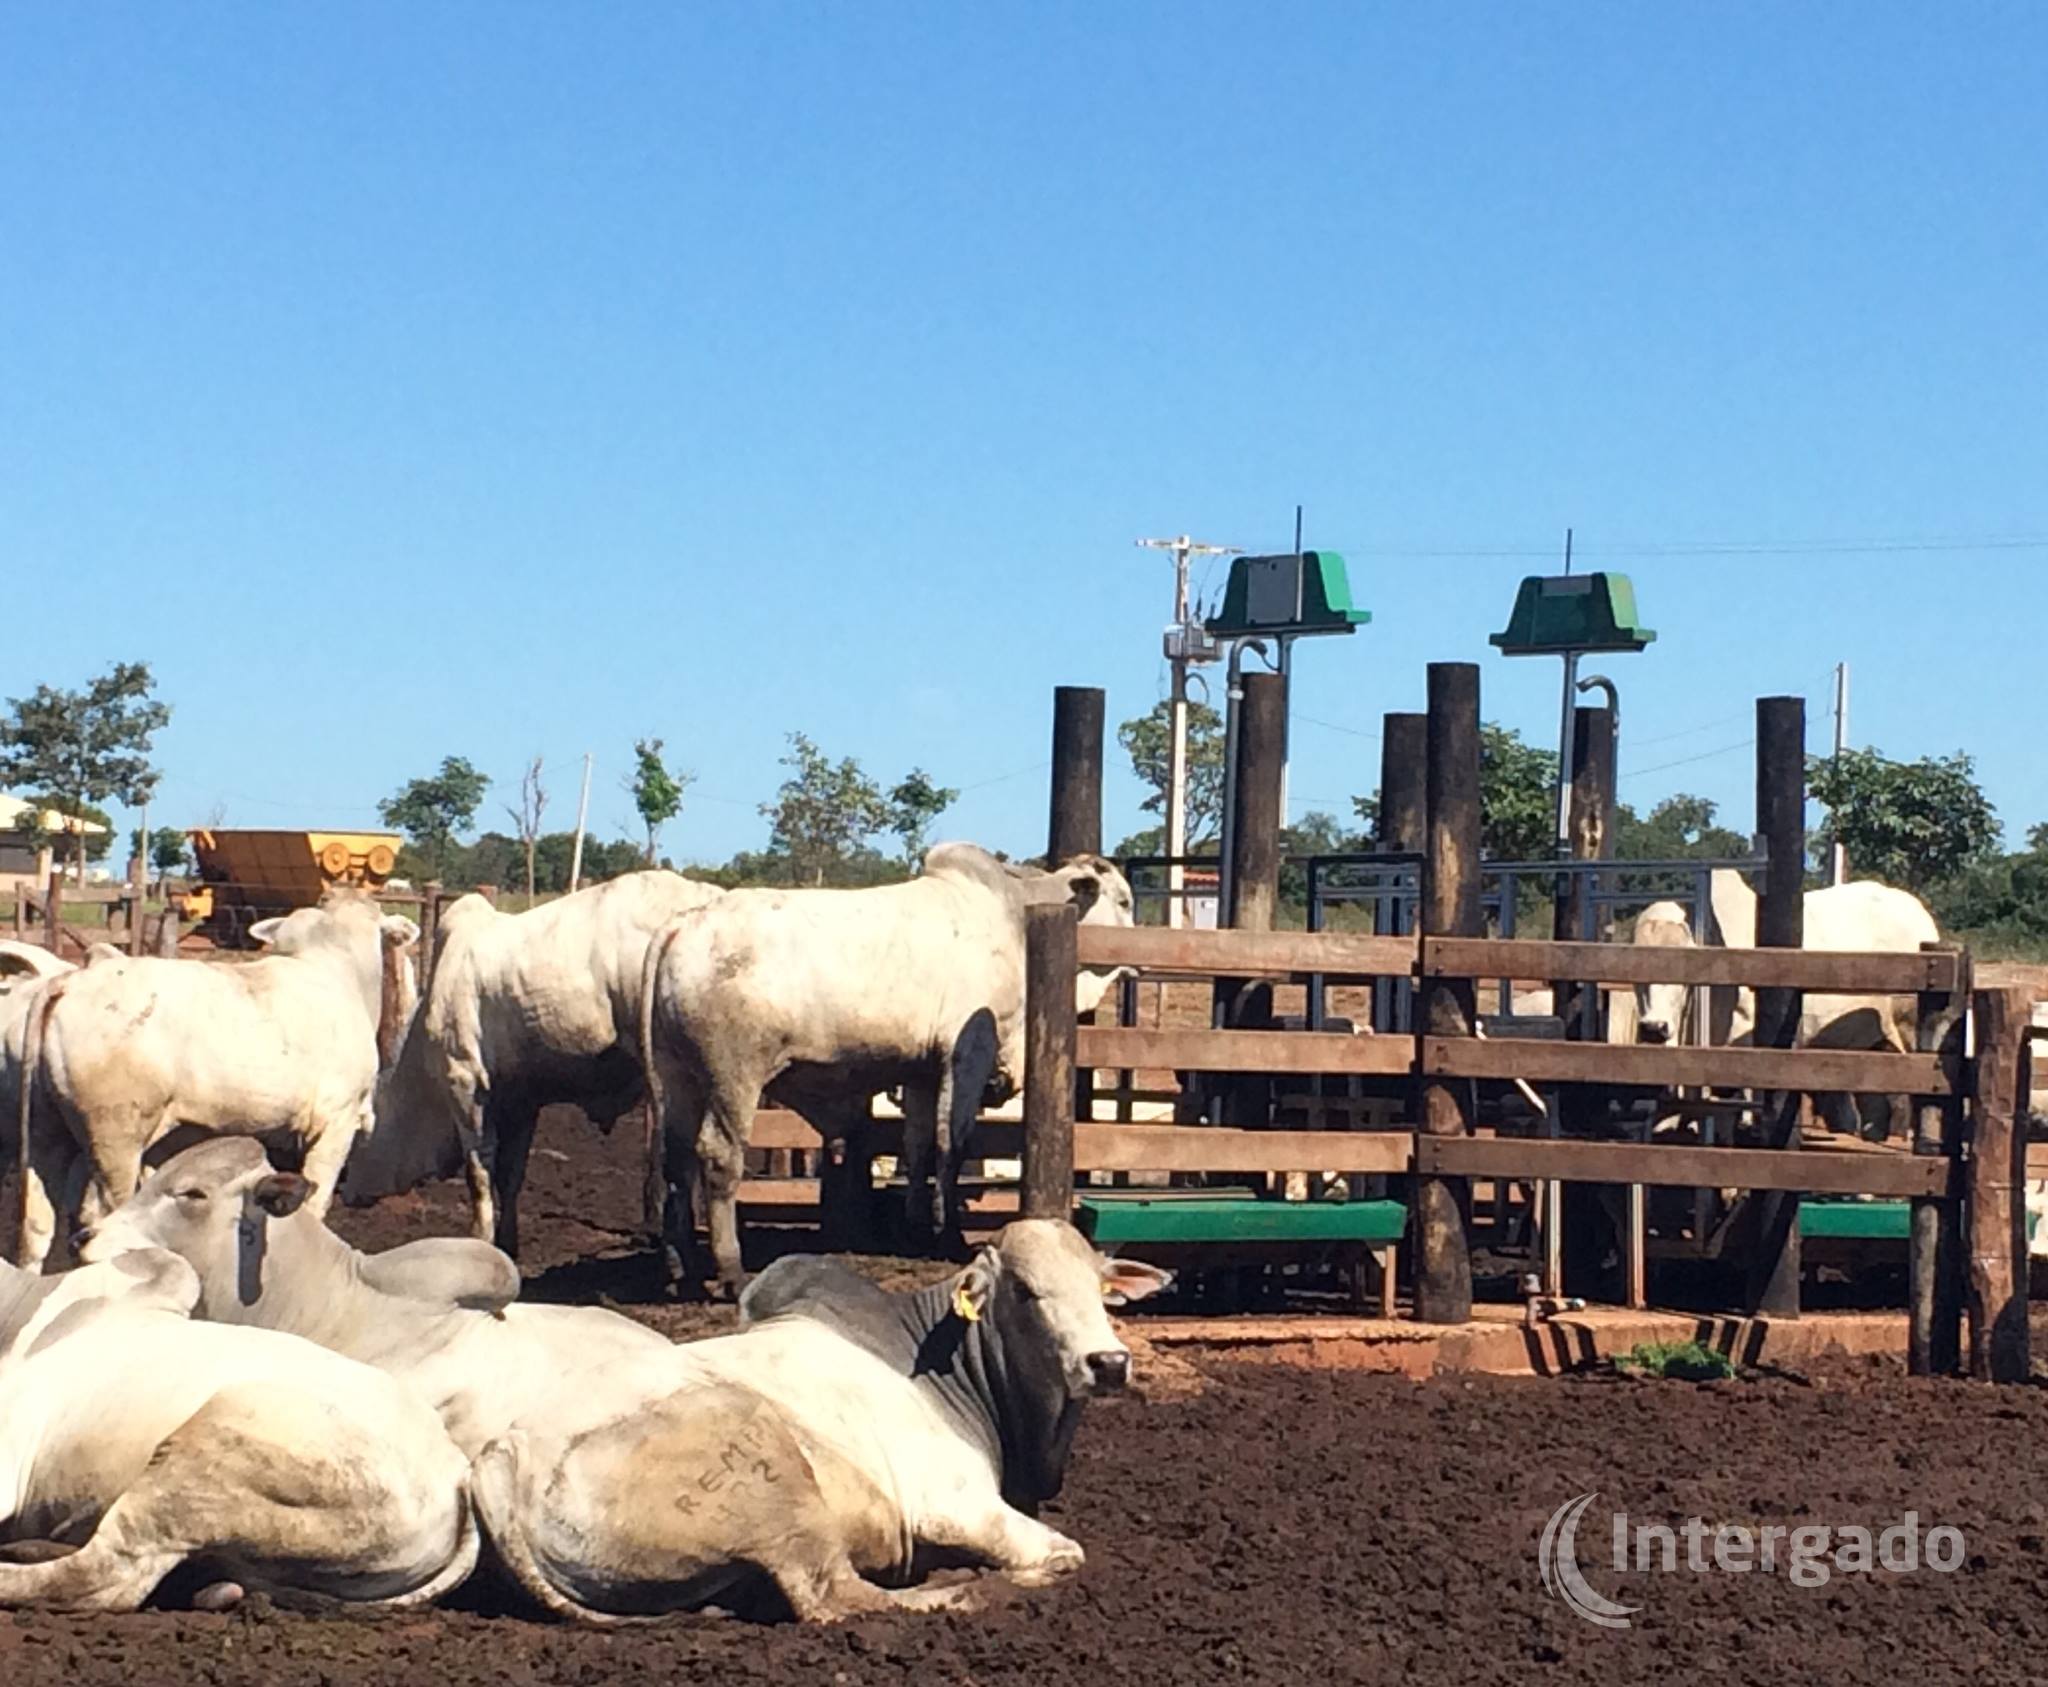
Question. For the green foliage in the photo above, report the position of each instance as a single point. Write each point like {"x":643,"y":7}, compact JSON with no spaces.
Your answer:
{"x":1911,"y":824}
{"x":657,"y":790}
{"x":823,"y":814}
{"x":1680,"y":828}
{"x":1148,"y":741}
{"x":1689,"y":1361}
{"x":1999,"y":907}
{"x":431,"y":811}
{"x":1315,"y":833}
{"x":913,"y":805}
{"x":1517,"y":798}
{"x":856,"y":870}
{"x":86,"y":747}
{"x":498,"y":859}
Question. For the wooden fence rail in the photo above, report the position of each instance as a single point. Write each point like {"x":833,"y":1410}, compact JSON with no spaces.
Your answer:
{"x":1967,"y":1162}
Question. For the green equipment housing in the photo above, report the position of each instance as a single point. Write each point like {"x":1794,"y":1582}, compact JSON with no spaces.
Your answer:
{"x":1290,"y":594}
{"x":1562,"y":614}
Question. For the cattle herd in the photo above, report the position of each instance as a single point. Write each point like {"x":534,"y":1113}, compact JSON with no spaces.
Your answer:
{"x":205,"y":1391}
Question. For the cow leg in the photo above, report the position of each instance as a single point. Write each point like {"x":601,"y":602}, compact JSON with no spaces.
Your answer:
{"x":328,"y":1152}
{"x":920,"y":1147}
{"x":846,"y":1178}
{"x":677,"y":1125}
{"x":722,"y":1166}
{"x":510,"y":1129}
{"x":1006,"y":1539}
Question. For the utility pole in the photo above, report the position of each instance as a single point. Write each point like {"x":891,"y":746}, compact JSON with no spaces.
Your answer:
{"x":1187,"y":643}
{"x":1838,"y":857}
{"x":582,"y":815}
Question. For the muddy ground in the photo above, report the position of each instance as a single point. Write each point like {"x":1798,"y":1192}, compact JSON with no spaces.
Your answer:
{"x":1270,"y":1525}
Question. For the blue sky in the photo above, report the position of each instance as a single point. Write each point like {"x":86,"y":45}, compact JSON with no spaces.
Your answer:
{"x":414,"y":380}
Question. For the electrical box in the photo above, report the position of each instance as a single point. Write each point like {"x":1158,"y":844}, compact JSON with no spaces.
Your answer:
{"x":1561,"y":613}
{"x":1288,"y":595}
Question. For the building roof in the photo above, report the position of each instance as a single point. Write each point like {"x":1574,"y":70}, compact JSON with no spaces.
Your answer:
{"x":13,"y":808}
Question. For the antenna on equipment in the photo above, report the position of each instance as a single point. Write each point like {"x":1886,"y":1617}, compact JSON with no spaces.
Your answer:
{"x":1187,"y":643}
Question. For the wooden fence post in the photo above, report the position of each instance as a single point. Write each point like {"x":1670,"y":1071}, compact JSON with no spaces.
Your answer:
{"x":20,"y":910}
{"x":430,"y":931}
{"x":1586,"y":1225}
{"x":1076,"y":826}
{"x":1773,"y":1288}
{"x":138,"y":891}
{"x":1404,"y":751}
{"x":1049,"y":1026}
{"x":1997,"y":1293}
{"x":1450,"y":908}
{"x":1934,"y":1296}
{"x":53,"y":913}
{"x":1254,"y":880}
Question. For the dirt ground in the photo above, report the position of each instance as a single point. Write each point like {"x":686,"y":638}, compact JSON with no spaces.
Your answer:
{"x":1273,"y":1525}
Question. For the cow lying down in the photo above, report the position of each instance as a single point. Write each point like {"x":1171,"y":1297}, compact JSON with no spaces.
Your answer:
{"x":135,"y":1444}
{"x":846,"y":1442}
{"x":439,"y":1314}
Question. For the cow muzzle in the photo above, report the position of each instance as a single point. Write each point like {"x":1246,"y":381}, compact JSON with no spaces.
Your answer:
{"x":1653,"y":1031}
{"x":1109,"y":1372}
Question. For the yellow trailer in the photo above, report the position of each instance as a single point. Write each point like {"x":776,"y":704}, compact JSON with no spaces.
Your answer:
{"x":248,"y":875}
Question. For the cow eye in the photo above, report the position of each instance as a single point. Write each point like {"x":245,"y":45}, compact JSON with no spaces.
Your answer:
{"x":1027,"y":1291}
{"x":191,"y":1194}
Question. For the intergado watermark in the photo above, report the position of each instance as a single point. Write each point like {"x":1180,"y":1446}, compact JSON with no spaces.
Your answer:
{"x":1806,"y":1554}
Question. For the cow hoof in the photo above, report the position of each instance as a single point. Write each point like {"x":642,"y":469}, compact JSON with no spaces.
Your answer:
{"x":219,"y":1596}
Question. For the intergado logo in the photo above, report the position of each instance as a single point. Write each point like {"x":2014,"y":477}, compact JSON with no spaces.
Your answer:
{"x":1808,"y":1554}
{"x":1557,"y":1559}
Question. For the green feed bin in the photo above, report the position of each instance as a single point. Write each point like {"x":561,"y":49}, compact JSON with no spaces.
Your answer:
{"x":1220,"y":1216}
{"x":1562,"y":614}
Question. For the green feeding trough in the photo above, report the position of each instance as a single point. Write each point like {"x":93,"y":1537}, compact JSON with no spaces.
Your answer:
{"x":1221,"y":1216}
{"x":1290,"y":595}
{"x":1569,"y":614}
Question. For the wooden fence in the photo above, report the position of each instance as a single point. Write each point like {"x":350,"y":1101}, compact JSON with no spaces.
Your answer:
{"x":1963,"y":1174}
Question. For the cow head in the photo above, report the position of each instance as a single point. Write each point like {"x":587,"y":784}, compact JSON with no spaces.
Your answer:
{"x":349,"y":931}
{"x":1661,"y":1008}
{"x":1037,"y":1295}
{"x":210,"y":1205}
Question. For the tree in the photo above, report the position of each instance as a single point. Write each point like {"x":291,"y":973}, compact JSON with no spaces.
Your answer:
{"x":431,"y":811}
{"x":823,"y":813}
{"x":1680,"y":828}
{"x":1517,"y":798}
{"x":85,"y":747}
{"x":913,"y":805}
{"x":1148,"y":741}
{"x":164,"y":848}
{"x":657,"y":790}
{"x":533,"y":802}
{"x":1911,"y":824}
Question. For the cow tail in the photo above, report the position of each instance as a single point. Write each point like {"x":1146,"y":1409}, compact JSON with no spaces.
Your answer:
{"x":34,"y":1026}
{"x":654,"y":1144}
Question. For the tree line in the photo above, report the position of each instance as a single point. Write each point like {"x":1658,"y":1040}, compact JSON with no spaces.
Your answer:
{"x":1924,"y":825}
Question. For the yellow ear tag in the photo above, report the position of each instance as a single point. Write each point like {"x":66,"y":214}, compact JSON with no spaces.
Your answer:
{"x":963,"y":1303}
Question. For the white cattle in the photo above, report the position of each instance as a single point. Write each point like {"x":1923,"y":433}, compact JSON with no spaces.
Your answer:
{"x":825,"y":998}
{"x":123,"y":1051}
{"x":1862,"y":917}
{"x":829,"y":1453}
{"x":133,"y":1442}
{"x":437,"y":1314}
{"x":522,"y":1010}
{"x":23,"y":967}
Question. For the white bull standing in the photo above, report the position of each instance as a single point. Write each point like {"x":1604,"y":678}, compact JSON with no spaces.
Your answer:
{"x":825,"y":998}
{"x":123,"y":1051}
{"x":1862,"y":917}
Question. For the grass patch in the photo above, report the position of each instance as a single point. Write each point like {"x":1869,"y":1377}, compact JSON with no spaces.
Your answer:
{"x":1689,"y":1361}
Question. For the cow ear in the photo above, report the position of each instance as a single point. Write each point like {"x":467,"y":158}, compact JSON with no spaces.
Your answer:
{"x":975,"y":1287}
{"x":282,"y":1193}
{"x":1083,"y":888}
{"x":265,"y":931}
{"x":1128,"y":1280}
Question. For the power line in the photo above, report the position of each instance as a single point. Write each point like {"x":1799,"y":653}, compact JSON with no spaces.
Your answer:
{"x":1687,"y":761}
{"x":1723,"y":547}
